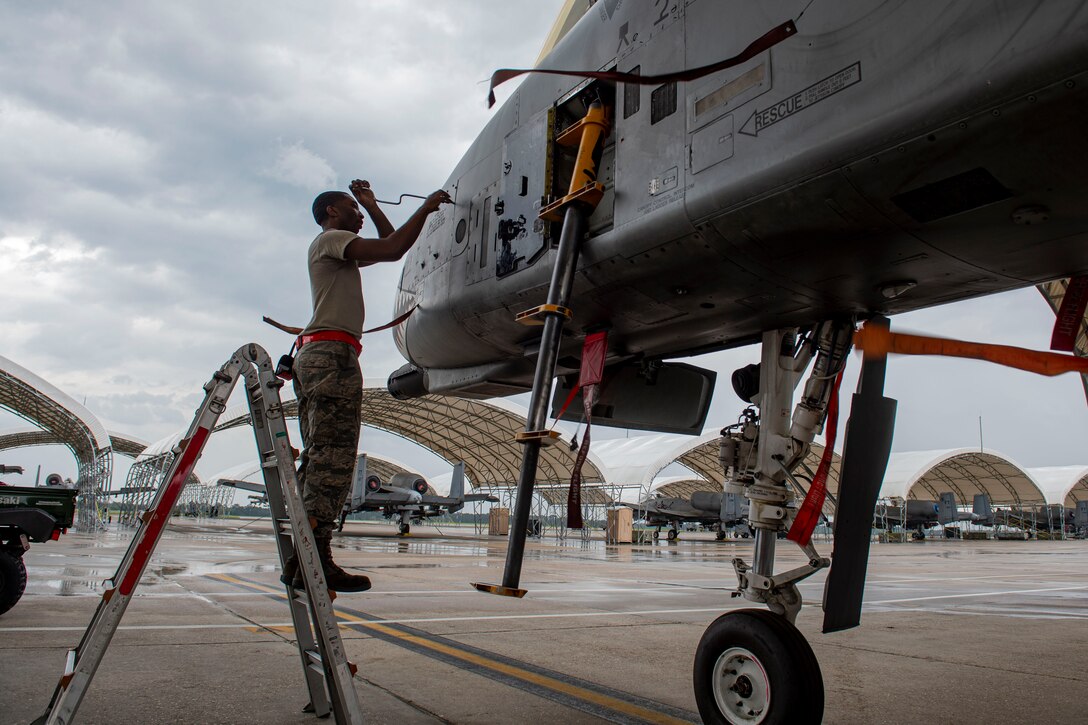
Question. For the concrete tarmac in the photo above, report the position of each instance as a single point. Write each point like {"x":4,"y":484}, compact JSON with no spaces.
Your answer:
{"x":953,"y":631}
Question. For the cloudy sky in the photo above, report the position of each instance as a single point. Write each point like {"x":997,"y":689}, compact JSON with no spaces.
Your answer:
{"x":158,"y":163}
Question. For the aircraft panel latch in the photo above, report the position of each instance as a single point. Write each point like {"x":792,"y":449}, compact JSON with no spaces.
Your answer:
{"x":537,"y":315}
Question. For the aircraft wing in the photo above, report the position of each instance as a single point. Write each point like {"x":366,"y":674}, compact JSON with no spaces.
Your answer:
{"x":481,"y":497}
{"x":243,"y":485}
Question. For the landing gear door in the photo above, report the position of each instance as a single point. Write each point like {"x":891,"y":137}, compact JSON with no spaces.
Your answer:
{"x":526,"y":180}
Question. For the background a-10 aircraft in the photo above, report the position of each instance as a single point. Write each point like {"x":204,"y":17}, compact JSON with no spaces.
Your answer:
{"x":406,"y":498}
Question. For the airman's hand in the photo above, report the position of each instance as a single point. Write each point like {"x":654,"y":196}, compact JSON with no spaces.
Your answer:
{"x":361,"y":191}
{"x":435,"y":200}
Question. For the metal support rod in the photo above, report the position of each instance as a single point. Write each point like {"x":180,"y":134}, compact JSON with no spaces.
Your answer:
{"x":574,"y":227}
{"x":763,"y":554}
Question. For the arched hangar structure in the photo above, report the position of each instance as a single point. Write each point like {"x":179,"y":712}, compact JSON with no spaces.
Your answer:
{"x":42,"y":404}
{"x":963,"y":471}
{"x":639,"y":462}
{"x":145,"y":477}
{"x":122,"y":444}
{"x":481,"y":434}
{"x":1065,"y":485}
{"x":456,"y":429}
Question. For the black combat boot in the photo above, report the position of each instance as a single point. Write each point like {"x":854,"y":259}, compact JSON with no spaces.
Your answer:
{"x":336,"y":578}
{"x":292,"y":573}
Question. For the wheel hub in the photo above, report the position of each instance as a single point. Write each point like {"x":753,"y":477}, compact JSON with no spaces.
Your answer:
{"x":742,"y":689}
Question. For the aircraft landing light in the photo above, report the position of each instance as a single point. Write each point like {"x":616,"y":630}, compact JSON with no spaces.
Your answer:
{"x":500,"y":590}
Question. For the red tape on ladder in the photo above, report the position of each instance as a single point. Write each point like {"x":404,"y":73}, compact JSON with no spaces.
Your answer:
{"x":157,"y":521}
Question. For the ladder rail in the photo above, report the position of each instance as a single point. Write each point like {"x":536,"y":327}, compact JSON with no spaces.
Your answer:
{"x":281,"y":484}
{"x":83,"y":661}
{"x":270,"y":430}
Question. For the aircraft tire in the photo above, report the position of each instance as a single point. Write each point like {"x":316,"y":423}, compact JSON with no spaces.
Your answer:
{"x":753,"y":667}
{"x":12,"y":580}
{"x":404,"y":529}
{"x":719,"y":536}
{"x":671,"y":536}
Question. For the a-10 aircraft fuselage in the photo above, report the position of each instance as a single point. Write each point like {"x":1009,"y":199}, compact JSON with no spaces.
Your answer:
{"x":890,"y":156}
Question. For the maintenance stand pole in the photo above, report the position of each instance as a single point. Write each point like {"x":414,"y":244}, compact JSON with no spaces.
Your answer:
{"x":584,"y":195}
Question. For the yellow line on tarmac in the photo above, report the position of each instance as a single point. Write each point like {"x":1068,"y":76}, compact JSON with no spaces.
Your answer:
{"x":550,"y":683}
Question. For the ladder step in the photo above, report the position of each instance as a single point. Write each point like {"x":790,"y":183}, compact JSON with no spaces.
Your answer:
{"x":536,"y":315}
{"x":546,"y":437}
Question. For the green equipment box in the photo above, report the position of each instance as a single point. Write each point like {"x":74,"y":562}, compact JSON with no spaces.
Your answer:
{"x":60,"y":503}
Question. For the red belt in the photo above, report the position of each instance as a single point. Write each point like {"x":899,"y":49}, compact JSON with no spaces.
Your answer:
{"x":330,"y":336}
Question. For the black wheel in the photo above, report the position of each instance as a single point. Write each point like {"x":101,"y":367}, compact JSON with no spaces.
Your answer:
{"x":720,"y":536}
{"x":671,"y":536}
{"x":657,"y":534}
{"x":752,"y":666}
{"x":404,"y":529}
{"x":12,"y":580}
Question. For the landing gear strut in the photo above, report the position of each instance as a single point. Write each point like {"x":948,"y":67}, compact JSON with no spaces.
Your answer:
{"x":752,"y":665}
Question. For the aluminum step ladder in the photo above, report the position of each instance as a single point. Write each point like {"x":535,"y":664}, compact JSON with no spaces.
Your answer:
{"x":328,"y":673}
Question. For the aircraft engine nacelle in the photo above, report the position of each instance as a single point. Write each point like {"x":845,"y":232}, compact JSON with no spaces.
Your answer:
{"x":409,"y":481}
{"x":54,"y":479}
{"x":407,"y":382}
{"x":373,"y":483}
{"x":706,"y":501}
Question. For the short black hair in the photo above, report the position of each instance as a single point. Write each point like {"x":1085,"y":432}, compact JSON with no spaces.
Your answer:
{"x":322,"y":202}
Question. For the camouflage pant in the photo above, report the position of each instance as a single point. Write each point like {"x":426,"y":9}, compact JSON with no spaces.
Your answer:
{"x":329,"y":388}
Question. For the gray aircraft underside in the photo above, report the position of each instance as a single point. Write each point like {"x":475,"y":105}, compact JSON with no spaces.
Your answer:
{"x":890,"y":156}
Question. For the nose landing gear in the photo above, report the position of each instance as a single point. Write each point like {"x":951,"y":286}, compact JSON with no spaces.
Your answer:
{"x":753,"y":666}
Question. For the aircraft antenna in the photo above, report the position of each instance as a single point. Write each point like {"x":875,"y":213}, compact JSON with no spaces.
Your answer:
{"x":805,"y":8}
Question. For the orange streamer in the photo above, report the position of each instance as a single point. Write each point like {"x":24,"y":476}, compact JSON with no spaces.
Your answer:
{"x":878,"y":342}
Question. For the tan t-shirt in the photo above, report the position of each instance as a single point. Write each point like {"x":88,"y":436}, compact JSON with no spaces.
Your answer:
{"x":335,"y":285}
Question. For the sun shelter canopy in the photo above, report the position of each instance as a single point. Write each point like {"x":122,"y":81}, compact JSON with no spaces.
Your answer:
{"x":25,"y":437}
{"x":640,"y":461}
{"x":479,"y":433}
{"x":39,"y":402}
{"x":684,"y":486}
{"x":591,"y":495}
{"x":965,"y":472}
{"x":1062,"y":484}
